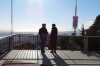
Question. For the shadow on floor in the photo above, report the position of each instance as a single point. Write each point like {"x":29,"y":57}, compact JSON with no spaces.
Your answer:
{"x":92,"y":53}
{"x":46,"y":61}
{"x":59,"y":61}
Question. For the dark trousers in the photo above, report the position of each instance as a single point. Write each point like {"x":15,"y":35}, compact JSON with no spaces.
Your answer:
{"x":53,"y":47}
{"x":43,"y":42}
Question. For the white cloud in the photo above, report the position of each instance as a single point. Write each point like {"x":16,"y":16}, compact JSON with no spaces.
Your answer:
{"x":86,"y":24}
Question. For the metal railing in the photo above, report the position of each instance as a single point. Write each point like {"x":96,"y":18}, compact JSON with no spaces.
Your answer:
{"x":25,"y":41}
{"x":82,"y":43}
{"x":30,"y":41}
{"x":4,"y":44}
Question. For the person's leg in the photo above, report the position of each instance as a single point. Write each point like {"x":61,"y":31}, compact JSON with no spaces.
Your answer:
{"x":42,"y":44}
{"x":51,"y":48}
{"x":55,"y":48}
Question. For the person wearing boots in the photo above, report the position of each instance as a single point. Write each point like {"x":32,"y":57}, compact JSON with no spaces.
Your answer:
{"x":53,"y":38}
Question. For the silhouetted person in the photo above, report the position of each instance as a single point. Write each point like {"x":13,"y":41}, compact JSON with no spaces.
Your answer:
{"x":43,"y":35}
{"x":53,"y":38}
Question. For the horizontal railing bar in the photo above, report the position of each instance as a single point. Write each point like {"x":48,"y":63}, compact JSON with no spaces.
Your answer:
{"x":47,"y":36}
{"x":58,"y":35}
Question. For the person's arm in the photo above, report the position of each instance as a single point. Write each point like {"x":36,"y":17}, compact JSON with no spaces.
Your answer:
{"x":39,"y":32}
{"x":57,"y":32}
{"x":51,"y":35}
{"x":46,"y":32}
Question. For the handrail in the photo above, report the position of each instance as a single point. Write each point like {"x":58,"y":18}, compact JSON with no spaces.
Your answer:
{"x":18,"y":39}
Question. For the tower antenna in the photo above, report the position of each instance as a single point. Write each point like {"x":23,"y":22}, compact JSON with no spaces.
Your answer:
{"x":75,"y":19}
{"x":11,"y":17}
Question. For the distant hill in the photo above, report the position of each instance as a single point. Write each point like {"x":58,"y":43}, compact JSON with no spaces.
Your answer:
{"x":68,"y":33}
{"x":5,"y":33}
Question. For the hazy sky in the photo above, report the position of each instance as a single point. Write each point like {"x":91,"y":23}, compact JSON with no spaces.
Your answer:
{"x":28,"y":15}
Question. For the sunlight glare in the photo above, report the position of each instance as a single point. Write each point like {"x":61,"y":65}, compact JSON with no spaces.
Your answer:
{"x":39,"y":0}
{"x":35,"y":0}
{"x":30,"y":0}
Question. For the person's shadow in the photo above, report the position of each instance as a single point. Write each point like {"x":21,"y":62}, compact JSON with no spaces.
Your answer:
{"x":46,"y":61}
{"x":59,"y":61}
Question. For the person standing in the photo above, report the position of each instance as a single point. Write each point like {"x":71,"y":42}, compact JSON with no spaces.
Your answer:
{"x":53,"y":38}
{"x":43,"y":36}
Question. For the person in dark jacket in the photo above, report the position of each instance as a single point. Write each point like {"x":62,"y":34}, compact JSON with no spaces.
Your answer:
{"x":53,"y":38}
{"x":43,"y":35}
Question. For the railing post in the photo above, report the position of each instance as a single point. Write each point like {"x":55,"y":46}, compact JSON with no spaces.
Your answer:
{"x":85,"y":43}
{"x":10,"y":43}
{"x":19,"y":43}
{"x":37,"y":50}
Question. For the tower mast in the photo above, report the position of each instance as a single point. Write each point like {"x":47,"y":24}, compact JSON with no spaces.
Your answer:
{"x":76,"y":9}
{"x":75,"y":19}
{"x":11,"y":17}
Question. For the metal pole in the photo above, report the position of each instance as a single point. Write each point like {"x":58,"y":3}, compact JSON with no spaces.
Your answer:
{"x":37,"y":50}
{"x":75,"y":16}
{"x":11,"y":38}
{"x":74,"y":31}
{"x":11,"y":17}
{"x":76,"y":9}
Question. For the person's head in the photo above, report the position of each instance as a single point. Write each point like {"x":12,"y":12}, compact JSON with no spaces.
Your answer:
{"x":53,"y":25}
{"x":43,"y":25}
